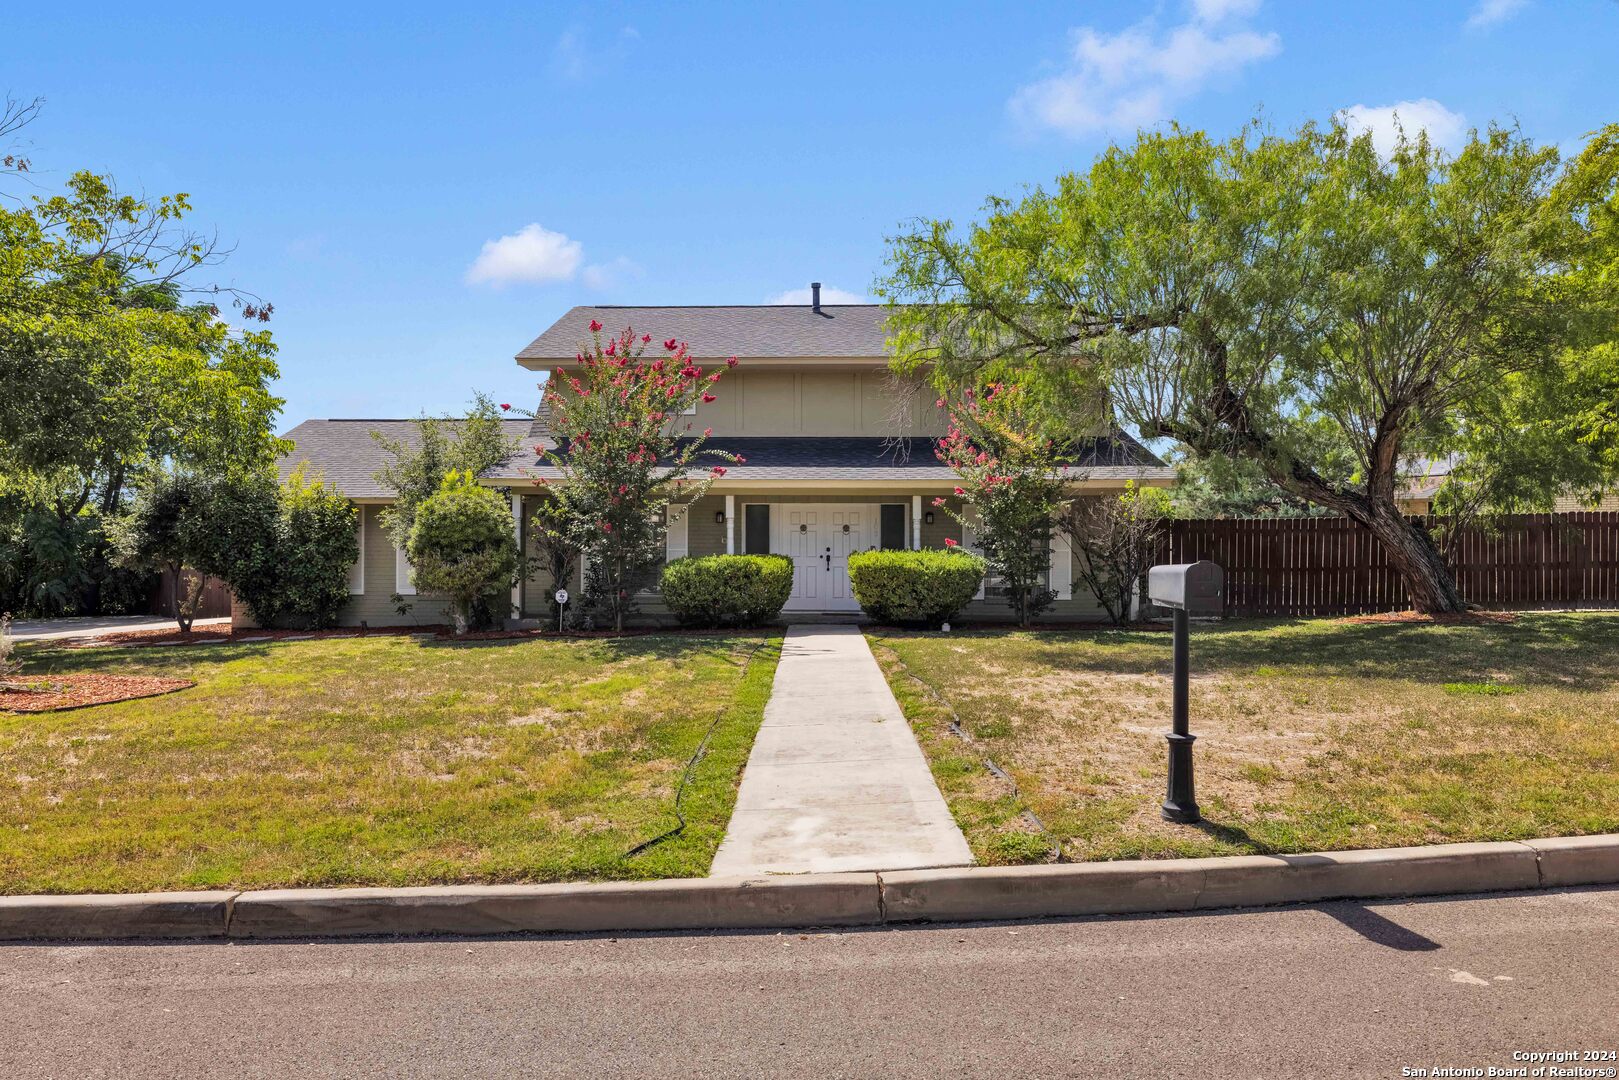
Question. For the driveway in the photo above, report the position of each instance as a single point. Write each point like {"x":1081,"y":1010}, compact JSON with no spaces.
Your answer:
{"x":97,"y":625}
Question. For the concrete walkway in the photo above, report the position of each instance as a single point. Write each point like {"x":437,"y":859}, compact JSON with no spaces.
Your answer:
{"x":836,"y":780}
{"x":86,"y":626}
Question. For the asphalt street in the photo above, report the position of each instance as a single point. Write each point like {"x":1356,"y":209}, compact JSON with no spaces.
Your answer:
{"x":1328,"y":990}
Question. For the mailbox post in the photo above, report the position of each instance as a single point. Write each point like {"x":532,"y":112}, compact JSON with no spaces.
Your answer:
{"x":1187,"y":589}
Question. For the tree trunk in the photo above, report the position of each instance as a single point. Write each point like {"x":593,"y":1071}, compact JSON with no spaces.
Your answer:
{"x":1421,"y":568}
{"x":178,"y":596}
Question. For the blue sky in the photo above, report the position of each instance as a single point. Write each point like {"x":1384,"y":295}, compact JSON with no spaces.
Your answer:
{"x":421,"y":189}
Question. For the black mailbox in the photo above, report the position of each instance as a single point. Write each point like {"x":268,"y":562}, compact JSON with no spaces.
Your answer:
{"x":1196,"y":588}
{"x":1187,"y":589}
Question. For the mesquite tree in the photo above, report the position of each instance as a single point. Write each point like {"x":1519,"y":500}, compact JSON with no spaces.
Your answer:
{"x":1011,"y":485}
{"x":628,"y":457}
{"x":1296,"y":301}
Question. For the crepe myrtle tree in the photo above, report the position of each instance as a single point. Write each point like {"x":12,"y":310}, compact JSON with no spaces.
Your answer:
{"x":1298,"y":301}
{"x":629,"y":461}
{"x":1011,"y":486}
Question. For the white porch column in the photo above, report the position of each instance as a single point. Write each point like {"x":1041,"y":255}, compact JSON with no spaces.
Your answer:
{"x":916,"y":523}
{"x":517,"y":532}
{"x":730,"y":524}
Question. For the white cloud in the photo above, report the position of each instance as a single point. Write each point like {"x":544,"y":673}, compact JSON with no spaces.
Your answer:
{"x":1210,"y":11}
{"x":830,"y":294}
{"x":1489,"y":12}
{"x":533,"y":254}
{"x":1385,"y":122}
{"x":1136,"y":77}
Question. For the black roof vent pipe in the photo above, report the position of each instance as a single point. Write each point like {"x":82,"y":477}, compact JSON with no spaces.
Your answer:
{"x":815,"y":297}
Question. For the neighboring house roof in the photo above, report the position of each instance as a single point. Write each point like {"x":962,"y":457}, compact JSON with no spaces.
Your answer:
{"x":1421,"y":478}
{"x":758,"y":330}
{"x":344,"y":452}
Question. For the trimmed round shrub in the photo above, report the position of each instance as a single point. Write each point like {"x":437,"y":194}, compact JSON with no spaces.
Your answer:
{"x":461,"y":544}
{"x":914,"y":588}
{"x":727,"y":590}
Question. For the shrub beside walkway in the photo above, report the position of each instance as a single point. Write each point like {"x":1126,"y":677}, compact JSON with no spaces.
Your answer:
{"x":836,"y":781}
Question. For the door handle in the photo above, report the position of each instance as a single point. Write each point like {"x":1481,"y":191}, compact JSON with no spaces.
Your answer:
{"x":829,"y":558}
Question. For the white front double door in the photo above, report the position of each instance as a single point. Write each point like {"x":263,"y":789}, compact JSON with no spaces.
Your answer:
{"x":819,"y":537}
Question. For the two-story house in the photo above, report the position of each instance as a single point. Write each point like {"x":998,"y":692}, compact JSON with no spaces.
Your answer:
{"x":839,"y":458}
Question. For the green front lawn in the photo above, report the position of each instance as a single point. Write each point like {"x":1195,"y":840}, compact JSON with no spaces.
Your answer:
{"x":381,"y":761}
{"x":1312,"y":735}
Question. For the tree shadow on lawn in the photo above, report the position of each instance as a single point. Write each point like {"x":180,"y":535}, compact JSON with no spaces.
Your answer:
{"x":144,"y":659}
{"x":1570,"y":652}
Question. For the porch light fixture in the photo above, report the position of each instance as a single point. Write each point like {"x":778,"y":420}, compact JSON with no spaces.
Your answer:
{"x":927,"y":518}
{"x":719,"y":517}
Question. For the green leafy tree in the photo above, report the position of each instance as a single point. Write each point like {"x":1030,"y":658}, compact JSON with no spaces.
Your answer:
{"x":626,"y":458}
{"x":1232,"y":487}
{"x":1298,"y":302}
{"x":461,"y":545}
{"x":113,"y":361}
{"x":475,"y":443}
{"x":284,"y":549}
{"x":316,"y":546}
{"x":168,"y":529}
{"x":1012,"y":488}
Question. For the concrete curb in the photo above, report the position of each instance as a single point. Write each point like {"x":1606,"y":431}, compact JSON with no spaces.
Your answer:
{"x":864,"y":899}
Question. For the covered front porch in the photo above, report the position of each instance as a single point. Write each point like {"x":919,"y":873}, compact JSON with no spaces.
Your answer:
{"x":819,"y":528}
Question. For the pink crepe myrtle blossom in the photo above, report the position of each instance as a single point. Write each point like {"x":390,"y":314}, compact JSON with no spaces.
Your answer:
{"x":950,"y":543}
{"x":708,"y":398}
{"x":506,"y":408}
{"x":595,"y":327}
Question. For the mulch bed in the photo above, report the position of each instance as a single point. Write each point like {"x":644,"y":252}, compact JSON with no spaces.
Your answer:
{"x":53,"y":692}
{"x":1465,"y":618}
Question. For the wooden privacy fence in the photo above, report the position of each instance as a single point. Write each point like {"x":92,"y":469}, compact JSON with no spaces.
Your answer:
{"x":213,"y":604}
{"x":1333,"y":566}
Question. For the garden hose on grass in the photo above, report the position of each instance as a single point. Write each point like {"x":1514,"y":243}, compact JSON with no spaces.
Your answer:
{"x":691,"y":766}
{"x":1055,"y":852}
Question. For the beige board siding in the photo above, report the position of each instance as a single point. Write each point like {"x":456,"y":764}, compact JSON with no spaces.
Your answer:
{"x":813,"y":403}
{"x":1569,"y":504}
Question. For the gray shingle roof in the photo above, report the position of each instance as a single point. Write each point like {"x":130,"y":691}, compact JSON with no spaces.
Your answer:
{"x":344,"y":452}
{"x":907,"y":461}
{"x":759,"y":330}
